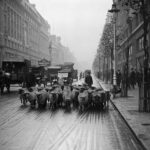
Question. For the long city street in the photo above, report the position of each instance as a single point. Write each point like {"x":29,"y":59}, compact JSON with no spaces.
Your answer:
{"x":23,"y":128}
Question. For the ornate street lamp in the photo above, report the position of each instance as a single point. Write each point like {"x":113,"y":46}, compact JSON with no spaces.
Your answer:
{"x":114,"y":10}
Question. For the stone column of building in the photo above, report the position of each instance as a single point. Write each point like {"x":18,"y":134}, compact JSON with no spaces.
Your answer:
{"x":59,"y":53}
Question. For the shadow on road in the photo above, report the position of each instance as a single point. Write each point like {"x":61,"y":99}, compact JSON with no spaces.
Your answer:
{"x":93,"y":113}
{"x":87,"y":114}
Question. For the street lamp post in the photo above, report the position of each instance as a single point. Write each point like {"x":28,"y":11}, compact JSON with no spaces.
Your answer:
{"x":50,"y":52}
{"x":114,"y":10}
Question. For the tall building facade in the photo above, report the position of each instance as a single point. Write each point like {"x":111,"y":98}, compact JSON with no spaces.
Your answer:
{"x":59,"y":53}
{"x":130,"y":35}
{"x":24,"y":34}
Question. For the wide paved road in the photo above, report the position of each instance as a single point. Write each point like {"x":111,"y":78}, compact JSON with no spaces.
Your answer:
{"x":22,"y":128}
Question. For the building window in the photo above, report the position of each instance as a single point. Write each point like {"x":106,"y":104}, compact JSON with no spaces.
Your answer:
{"x":140,"y":18}
{"x":140,"y":43}
{"x":25,"y":37}
{"x":11,"y":23}
{"x":5,"y":22}
{"x":13,"y":45}
{"x":136,"y":20}
{"x":130,"y":50}
{"x":148,"y":40}
{"x":130,"y":27}
{"x":5,"y":42}
{"x":8,"y":43}
{"x":119,"y":56}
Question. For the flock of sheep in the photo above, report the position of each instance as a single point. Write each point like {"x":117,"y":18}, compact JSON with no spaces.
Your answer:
{"x":78,"y":96}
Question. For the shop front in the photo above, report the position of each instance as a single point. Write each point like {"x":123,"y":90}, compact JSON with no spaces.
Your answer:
{"x":17,"y":67}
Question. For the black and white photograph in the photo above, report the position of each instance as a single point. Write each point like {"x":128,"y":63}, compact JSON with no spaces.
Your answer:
{"x":74,"y":74}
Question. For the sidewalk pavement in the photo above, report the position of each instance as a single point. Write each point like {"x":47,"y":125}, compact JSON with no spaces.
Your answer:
{"x":13,"y":90}
{"x":139,"y":122}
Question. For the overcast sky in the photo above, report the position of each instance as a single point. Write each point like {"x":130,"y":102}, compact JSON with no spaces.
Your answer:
{"x":78,"y":22}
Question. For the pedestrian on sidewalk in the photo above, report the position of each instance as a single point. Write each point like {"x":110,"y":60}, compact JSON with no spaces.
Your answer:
{"x":139,"y":78}
{"x":118,"y":77}
{"x":7,"y":81}
{"x":132,"y":78}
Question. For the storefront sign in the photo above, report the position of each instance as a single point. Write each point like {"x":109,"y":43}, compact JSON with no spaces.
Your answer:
{"x":62,"y":75}
{"x":44,"y":62}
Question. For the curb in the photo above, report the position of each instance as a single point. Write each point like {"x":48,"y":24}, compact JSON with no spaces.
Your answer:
{"x":115,"y":107}
{"x":141,"y":143}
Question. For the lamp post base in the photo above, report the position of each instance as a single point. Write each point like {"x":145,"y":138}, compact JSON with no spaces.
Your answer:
{"x":114,"y":90}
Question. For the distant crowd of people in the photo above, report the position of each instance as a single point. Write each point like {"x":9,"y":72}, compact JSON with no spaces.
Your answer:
{"x":31,"y":80}
{"x":134,"y":77}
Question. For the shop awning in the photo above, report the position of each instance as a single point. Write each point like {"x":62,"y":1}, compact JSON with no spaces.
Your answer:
{"x":53,"y":67}
{"x":13,"y":60}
